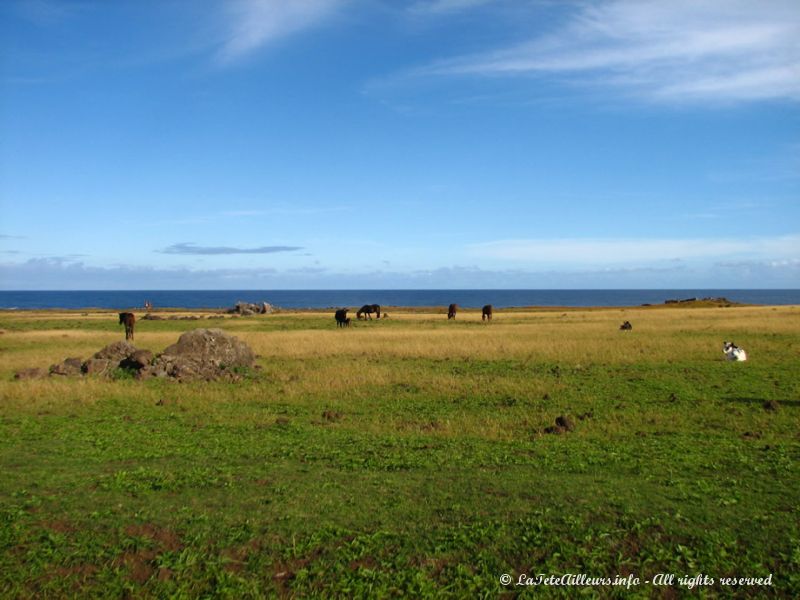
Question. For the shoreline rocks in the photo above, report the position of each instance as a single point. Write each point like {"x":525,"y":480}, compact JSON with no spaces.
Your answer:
{"x":246,"y":309}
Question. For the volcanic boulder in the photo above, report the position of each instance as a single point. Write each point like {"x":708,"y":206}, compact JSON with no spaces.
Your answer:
{"x":137,"y":360}
{"x":97,"y":366}
{"x":201,"y":354}
{"x":70,"y":366}
{"x":116,"y":352}
{"x":247,"y":308}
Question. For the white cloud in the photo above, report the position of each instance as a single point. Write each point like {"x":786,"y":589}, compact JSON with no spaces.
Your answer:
{"x":256,"y":23}
{"x":60,"y":274}
{"x":721,"y":50}
{"x":568,"y":251}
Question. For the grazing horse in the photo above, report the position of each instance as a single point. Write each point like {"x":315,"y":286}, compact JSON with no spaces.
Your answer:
{"x":626,"y":326}
{"x":341,"y":318}
{"x":129,"y":320}
{"x":733,"y":352}
{"x":486,"y":314}
{"x":451,"y":311}
{"x":367,"y":310}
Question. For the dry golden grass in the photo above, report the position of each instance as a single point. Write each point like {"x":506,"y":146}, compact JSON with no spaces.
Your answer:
{"x":573,"y":336}
{"x":577,"y":337}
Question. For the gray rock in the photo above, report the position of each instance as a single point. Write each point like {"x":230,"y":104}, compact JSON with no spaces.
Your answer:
{"x":212,"y":346}
{"x":137,"y":360}
{"x":70,"y":366}
{"x":201,"y":354}
{"x":116,"y":352}
{"x":97,"y":366}
{"x":248,"y":308}
{"x":151,"y":371}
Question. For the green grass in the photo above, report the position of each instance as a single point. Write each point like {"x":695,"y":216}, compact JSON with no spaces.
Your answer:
{"x":374,"y":463}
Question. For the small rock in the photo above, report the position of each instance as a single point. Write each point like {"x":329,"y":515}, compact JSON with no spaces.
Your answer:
{"x":96,"y":366}
{"x":554,"y":429}
{"x":32,"y":373}
{"x":565,"y":422}
{"x":70,"y":366}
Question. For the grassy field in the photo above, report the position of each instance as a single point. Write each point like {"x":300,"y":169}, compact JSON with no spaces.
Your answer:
{"x":407,"y":457}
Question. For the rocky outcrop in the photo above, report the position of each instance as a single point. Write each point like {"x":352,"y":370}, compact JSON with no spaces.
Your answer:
{"x":137,"y":360}
{"x":98,"y":366}
{"x":247,"y":308}
{"x":116,"y":352}
{"x":70,"y":366}
{"x":201,"y":354}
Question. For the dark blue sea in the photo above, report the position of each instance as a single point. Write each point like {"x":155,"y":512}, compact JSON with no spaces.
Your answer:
{"x":134,"y":299}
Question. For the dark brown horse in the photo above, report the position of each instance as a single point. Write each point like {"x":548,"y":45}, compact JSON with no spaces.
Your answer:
{"x":486,"y":314}
{"x":626,"y":326}
{"x":129,"y":320}
{"x":451,"y":311}
{"x":341,"y":318}
{"x":367,"y":310}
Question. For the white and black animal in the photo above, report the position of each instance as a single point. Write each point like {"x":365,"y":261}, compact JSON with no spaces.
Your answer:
{"x":733,"y":352}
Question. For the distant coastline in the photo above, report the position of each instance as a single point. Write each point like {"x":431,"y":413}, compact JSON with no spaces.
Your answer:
{"x":321,"y":299}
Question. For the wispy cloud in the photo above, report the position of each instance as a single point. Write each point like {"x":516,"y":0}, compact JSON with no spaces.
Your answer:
{"x":442,"y":7}
{"x":719,"y":50}
{"x":190,"y":248}
{"x":788,"y":263}
{"x":627,"y":251}
{"x":255,"y":23}
{"x":283,"y":211}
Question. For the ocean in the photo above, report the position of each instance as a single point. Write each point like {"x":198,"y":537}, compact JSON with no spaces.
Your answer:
{"x":215,"y":299}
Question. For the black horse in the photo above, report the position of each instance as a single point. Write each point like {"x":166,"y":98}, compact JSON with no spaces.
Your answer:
{"x":341,"y":318}
{"x":486,"y":313}
{"x":365,"y":312}
{"x":129,"y":320}
{"x":451,"y":311}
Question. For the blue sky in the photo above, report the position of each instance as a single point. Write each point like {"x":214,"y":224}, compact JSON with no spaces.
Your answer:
{"x":383,"y":144}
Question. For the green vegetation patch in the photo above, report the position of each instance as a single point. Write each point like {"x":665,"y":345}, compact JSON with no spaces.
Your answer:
{"x":331,"y":475}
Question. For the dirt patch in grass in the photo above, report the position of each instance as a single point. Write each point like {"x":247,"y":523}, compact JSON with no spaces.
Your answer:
{"x":164,"y":538}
